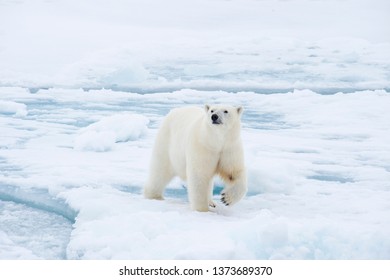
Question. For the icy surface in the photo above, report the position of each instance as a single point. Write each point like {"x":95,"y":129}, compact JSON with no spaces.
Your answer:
{"x":102,"y":135}
{"x":12,"y":108}
{"x":318,"y":169}
{"x":84,"y":86}
{"x":29,"y":233}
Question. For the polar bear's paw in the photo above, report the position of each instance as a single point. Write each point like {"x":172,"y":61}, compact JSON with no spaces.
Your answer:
{"x":225,"y":199}
{"x":212,"y":204}
{"x":231,"y":196}
{"x":153,"y":195}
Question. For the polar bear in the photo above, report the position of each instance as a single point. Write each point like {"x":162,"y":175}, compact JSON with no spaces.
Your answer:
{"x":196,"y":144}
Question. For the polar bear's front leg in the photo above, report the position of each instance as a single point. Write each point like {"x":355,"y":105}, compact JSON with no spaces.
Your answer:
{"x":199,"y":183}
{"x":211,"y":202}
{"x":200,"y":171}
{"x":199,"y":193}
{"x":235,"y":190}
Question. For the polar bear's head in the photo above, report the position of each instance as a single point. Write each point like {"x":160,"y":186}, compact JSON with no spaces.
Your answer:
{"x":223,"y":115}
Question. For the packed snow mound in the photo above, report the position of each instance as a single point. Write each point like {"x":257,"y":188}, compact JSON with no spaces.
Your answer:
{"x":13,"y":108}
{"x":102,"y":135}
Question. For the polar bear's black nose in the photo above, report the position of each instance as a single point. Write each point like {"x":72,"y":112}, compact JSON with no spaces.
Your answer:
{"x":214,"y":117}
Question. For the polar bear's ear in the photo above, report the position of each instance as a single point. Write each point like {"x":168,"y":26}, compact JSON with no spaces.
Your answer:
{"x":239,"y":110}
{"x":207,"y":107}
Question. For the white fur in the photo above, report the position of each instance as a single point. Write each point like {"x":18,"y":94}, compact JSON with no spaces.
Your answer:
{"x":191,"y":146}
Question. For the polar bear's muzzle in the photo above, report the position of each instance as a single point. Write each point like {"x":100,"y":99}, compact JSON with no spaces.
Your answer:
{"x":216,"y":119}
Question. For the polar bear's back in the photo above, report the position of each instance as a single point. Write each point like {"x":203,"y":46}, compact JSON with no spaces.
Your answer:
{"x":178,"y":122}
{"x":180,"y":119}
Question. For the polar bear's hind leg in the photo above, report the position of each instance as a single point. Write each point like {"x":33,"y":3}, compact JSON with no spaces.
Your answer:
{"x":154,"y":188}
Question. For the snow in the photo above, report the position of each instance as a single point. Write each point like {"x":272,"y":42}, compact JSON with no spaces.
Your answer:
{"x":318,"y":181}
{"x":102,"y":135}
{"x":85,"y":85}
{"x":9,"y":107}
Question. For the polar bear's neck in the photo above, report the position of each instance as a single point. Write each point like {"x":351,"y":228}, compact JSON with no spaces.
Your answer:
{"x":219,"y":136}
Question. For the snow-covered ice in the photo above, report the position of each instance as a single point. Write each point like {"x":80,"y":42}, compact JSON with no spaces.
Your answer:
{"x":319,"y":178}
{"x":84,"y":86}
{"x":13,"y":108}
{"x":102,"y":135}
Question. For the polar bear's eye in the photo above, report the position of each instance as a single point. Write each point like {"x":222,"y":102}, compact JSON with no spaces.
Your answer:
{"x":225,"y":111}
{"x":212,"y":111}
